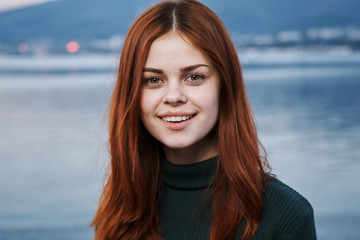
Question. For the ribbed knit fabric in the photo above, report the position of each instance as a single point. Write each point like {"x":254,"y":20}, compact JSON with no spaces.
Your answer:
{"x":185,"y":209}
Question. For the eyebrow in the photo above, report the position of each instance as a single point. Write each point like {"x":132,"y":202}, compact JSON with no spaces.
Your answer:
{"x":192,"y":67}
{"x":154,"y":70}
{"x":182,"y":70}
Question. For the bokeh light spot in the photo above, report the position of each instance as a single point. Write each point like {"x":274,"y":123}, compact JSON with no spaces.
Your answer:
{"x":72,"y":47}
{"x":23,"y":47}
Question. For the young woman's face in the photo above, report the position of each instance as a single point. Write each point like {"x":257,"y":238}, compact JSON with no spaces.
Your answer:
{"x":180,"y":95}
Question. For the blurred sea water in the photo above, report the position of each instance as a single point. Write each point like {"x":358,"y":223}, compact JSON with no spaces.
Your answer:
{"x":53,"y":149}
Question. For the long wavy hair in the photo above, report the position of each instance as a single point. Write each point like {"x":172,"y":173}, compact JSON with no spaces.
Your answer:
{"x":128,"y":206}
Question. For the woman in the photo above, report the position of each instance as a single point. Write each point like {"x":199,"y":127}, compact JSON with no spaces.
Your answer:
{"x":185,"y":159}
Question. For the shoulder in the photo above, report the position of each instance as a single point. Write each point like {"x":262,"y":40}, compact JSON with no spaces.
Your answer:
{"x":286,"y":212}
{"x":281,"y":195}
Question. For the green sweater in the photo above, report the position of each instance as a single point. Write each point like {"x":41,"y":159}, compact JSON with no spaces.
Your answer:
{"x":185,"y":214}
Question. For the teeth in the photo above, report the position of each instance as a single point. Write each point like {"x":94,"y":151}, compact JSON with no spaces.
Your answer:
{"x":175,"y":118}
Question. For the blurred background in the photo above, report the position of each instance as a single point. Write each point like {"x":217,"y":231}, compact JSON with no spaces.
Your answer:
{"x":58,"y":59}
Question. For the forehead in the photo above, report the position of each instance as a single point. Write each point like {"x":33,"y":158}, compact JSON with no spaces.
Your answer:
{"x":172,"y":48}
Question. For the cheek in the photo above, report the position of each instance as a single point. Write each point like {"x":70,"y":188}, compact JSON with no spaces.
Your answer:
{"x":209,"y":101}
{"x":213,"y":108}
{"x":209,"y":106}
{"x":145,"y":105}
{"x":148,"y":104}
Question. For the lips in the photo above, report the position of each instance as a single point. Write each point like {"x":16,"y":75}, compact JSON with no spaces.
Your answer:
{"x":175,"y":119}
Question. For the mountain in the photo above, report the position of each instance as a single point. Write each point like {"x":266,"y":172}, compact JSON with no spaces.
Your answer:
{"x":66,"y":20}
{"x":263,"y":16}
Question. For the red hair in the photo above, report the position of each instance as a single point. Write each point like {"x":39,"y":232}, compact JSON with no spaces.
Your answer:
{"x":129,"y":203}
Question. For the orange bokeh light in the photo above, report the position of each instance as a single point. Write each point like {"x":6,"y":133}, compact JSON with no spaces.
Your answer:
{"x":72,"y":47}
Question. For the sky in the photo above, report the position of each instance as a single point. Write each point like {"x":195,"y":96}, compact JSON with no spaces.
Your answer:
{"x":6,"y":5}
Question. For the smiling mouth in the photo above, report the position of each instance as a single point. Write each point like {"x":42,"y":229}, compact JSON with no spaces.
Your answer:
{"x":176,"y":119}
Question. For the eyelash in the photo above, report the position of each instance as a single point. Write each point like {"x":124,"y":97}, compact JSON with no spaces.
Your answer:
{"x":192,"y":82}
{"x":199,"y":76}
{"x":147,"y":81}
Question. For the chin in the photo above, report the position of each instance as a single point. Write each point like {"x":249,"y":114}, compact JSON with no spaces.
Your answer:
{"x":177,"y":145}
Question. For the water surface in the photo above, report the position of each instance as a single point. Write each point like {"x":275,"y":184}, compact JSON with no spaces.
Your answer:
{"x":53,"y":138}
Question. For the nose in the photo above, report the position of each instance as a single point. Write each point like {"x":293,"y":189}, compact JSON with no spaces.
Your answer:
{"x":174,"y":95}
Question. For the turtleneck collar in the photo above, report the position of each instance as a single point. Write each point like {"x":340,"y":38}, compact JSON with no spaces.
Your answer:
{"x":189,"y":177}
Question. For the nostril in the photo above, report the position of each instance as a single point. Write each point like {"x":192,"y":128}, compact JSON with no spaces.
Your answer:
{"x":175,"y":99}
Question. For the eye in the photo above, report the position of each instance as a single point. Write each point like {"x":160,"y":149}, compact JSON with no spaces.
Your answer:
{"x":195,"y":78}
{"x":152,"y":81}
